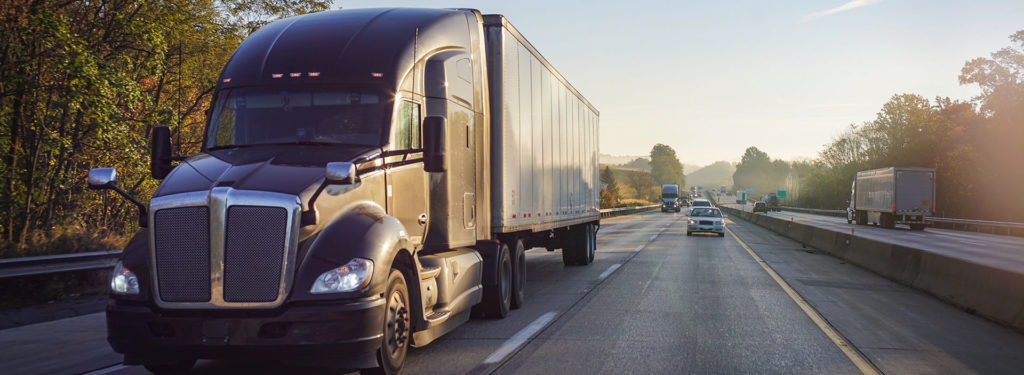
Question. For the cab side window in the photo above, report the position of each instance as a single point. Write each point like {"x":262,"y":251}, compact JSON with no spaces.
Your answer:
{"x":406,"y":133}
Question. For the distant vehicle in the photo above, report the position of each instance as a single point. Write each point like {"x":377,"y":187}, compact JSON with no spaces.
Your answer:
{"x":700,"y":202}
{"x":741,"y":197}
{"x":760,"y":206}
{"x":670,"y":200}
{"x":894,"y":195}
{"x":772,"y":201}
{"x":693,"y":190}
{"x":705,"y":220}
{"x":723,"y":190}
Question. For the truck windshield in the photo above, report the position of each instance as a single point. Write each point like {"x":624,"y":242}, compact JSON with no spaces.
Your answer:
{"x":296,"y":115}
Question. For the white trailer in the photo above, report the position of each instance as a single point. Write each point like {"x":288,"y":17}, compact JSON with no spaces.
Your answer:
{"x":894,"y":195}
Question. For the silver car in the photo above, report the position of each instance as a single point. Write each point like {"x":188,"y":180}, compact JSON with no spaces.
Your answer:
{"x":705,"y":220}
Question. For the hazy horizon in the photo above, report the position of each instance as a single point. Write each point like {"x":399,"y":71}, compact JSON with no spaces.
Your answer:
{"x":710,"y":80}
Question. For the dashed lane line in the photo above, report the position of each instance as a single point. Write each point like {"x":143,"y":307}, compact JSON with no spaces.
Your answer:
{"x":609,"y":271}
{"x":520,"y":338}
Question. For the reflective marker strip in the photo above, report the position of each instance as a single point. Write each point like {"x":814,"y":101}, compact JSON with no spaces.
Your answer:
{"x":520,"y":338}
{"x":858,"y":360}
{"x":609,"y":271}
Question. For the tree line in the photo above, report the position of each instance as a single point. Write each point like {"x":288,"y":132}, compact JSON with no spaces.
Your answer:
{"x":634,"y":184}
{"x":82,"y":83}
{"x":975,"y":147}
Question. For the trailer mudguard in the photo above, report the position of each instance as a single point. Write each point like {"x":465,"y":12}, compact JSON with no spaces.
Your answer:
{"x":364,"y":230}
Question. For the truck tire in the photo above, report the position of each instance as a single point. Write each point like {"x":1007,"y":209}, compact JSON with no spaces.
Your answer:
{"x":887,"y":221}
{"x":518,"y":274}
{"x":397,"y":327}
{"x":917,"y":226}
{"x":590,"y":249}
{"x":181,"y":367}
{"x":498,"y":298}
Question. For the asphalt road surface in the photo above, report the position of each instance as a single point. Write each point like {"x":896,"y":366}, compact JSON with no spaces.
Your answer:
{"x":654,"y":301}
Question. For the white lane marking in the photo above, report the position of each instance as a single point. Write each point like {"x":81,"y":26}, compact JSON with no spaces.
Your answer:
{"x":520,"y":338}
{"x":638,"y":248}
{"x":108,"y":370}
{"x":653,"y":237}
{"x":609,"y":271}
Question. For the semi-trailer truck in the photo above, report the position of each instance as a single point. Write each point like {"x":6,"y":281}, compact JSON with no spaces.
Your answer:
{"x":368,"y":178}
{"x":890,"y":196}
{"x":670,"y":200}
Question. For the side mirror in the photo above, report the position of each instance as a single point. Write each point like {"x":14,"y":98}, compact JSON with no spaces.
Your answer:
{"x":106,"y":178}
{"x":102,"y":178}
{"x":340,"y":173}
{"x":434,"y":143}
{"x":160,"y":153}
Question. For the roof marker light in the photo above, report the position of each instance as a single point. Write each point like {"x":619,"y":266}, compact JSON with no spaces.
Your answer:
{"x":226,"y":80}
{"x":295,"y":75}
{"x":277,"y":75}
{"x":313,"y":74}
{"x":376,"y":75}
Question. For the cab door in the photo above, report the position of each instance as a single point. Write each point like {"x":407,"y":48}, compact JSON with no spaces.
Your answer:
{"x":406,"y":181}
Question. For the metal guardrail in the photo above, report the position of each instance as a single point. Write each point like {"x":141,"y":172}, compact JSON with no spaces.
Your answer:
{"x":609,"y":212}
{"x":38,"y":265}
{"x":27,"y":266}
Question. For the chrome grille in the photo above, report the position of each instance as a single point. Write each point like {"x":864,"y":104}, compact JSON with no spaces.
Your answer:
{"x":253,"y":251}
{"x":182,"y":241}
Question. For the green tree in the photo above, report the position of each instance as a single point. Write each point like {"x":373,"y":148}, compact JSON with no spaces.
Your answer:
{"x":610,"y":192}
{"x":665,"y":166}
{"x":82,"y":84}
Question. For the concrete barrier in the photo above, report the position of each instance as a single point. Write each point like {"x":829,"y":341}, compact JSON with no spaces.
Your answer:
{"x":994,"y":293}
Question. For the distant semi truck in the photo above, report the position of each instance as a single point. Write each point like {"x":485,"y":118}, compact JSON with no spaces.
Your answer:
{"x":670,"y":200}
{"x":894,"y":195}
{"x":741,"y":197}
{"x":367,"y":179}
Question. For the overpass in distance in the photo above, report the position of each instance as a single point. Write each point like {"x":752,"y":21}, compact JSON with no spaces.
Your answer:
{"x":657,"y":301}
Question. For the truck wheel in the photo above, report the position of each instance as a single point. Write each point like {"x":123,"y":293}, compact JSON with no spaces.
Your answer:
{"x":395,"y":343}
{"x":518,"y":274}
{"x":916,"y":226}
{"x":181,"y":367}
{"x":590,"y":247}
{"x":498,"y":297}
{"x":861,"y":217}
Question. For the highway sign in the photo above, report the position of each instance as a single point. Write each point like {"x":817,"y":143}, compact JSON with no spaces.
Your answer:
{"x":781,"y":194}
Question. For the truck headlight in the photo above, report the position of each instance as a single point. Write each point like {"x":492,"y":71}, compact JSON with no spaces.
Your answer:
{"x":352,"y":276}
{"x":693,"y":221}
{"x":124,"y":281}
{"x":719,"y":223}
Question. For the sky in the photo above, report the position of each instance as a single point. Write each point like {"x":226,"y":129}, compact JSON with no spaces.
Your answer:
{"x":710,"y":79}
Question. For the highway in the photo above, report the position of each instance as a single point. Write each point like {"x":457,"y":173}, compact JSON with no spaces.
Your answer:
{"x":1004,"y":252}
{"x":655,"y":301}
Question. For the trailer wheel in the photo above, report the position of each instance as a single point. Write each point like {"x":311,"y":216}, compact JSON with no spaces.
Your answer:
{"x":917,"y":226}
{"x":518,"y":274}
{"x":498,"y":297}
{"x":397,"y":328}
{"x":591,"y":242}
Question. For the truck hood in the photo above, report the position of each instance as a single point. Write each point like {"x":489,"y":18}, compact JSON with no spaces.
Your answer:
{"x":280,"y":169}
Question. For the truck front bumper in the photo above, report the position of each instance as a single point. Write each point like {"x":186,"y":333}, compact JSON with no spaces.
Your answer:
{"x":338,"y":334}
